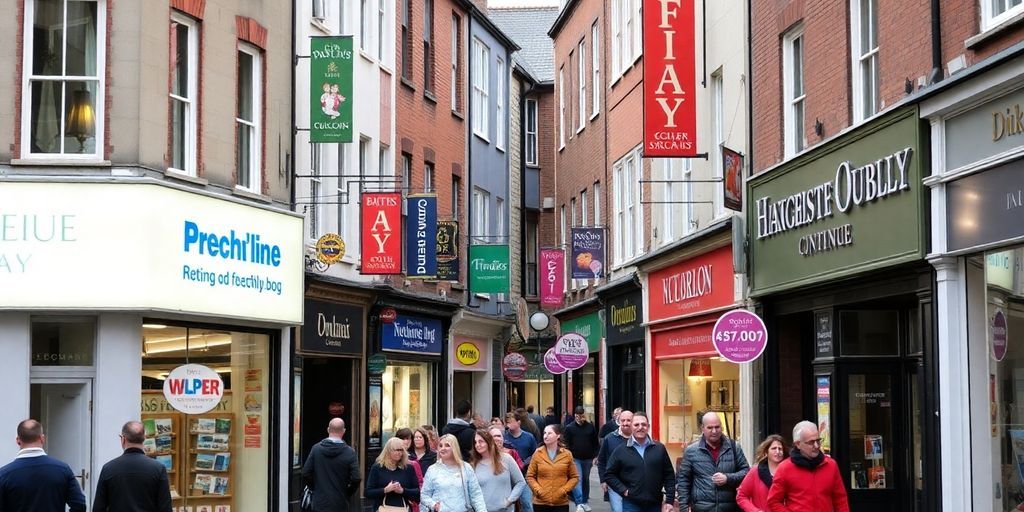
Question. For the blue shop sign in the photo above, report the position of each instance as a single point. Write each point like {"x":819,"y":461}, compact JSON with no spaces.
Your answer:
{"x":413,"y":335}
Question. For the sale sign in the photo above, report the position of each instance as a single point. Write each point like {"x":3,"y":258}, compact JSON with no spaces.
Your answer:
{"x":193,"y":389}
{"x":739,"y":336}
{"x":552,"y":277}
{"x":551,"y":362}
{"x":670,"y":112}
{"x":571,"y":351}
{"x":382,"y":227}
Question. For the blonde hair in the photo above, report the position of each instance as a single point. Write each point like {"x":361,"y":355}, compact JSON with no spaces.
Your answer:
{"x":453,"y":442}
{"x":384,"y":459}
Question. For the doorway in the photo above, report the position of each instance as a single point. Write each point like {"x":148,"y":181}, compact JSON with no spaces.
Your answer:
{"x":327,"y":393}
{"x":64,"y":407}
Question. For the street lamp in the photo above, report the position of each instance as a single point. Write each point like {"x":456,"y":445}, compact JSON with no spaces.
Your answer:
{"x":539,"y":321}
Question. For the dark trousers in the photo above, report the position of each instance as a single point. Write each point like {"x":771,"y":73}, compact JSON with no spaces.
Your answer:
{"x":550,"y":508}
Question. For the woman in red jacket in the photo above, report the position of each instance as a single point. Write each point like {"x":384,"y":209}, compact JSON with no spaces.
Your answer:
{"x":752,"y":495}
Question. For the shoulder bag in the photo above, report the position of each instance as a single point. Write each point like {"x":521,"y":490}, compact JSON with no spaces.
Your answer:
{"x":465,"y":489}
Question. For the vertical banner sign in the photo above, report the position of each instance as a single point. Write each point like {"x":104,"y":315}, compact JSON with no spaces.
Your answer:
{"x":732,"y":173}
{"x":421,"y":243}
{"x":670,"y":110}
{"x":587,"y":253}
{"x":382,"y":226}
{"x":330,"y":89}
{"x":552,"y":277}
{"x":448,"y":261}
{"x":488,"y":269}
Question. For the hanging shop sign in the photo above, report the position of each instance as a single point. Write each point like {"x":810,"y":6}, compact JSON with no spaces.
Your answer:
{"x":739,"y":336}
{"x":193,"y":389}
{"x":471,"y":354}
{"x":997,"y":333}
{"x":986,"y":207}
{"x":421,"y":242}
{"x":332,"y":328}
{"x":514,"y":366}
{"x":571,"y":351}
{"x":412,"y":334}
{"x":448,"y":261}
{"x":488,"y":269}
{"x":552,"y":277}
{"x":587,"y":253}
{"x":670,"y":112}
{"x":817,"y":217}
{"x":732,"y":174}
{"x":330,"y":249}
{"x":589,"y":326}
{"x":551,"y":362}
{"x":624,"y":316}
{"x":330,"y":93}
{"x":381,"y":224}
{"x":701,"y":283}
{"x":377,"y":363}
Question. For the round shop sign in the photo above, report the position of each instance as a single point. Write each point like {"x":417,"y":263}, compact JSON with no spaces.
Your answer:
{"x":739,"y":336}
{"x":388,"y":315}
{"x":376,"y":364}
{"x":572,"y":351}
{"x":193,"y":388}
{"x":467,"y":353}
{"x":551,"y":362}
{"x":514,"y":367}
{"x":999,"y":335}
{"x":330,"y":249}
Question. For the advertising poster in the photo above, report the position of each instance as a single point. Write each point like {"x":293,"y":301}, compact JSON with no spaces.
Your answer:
{"x":373,"y":425}
{"x":824,"y":395}
{"x":330,"y":93}
{"x":448,"y":261}
{"x":488,"y":269}
{"x":670,"y":113}
{"x":552,"y":277}
{"x":1017,"y":440}
{"x":382,"y":228}
{"x":732,"y":174}
{"x":587,"y":253}
{"x":421,"y":233}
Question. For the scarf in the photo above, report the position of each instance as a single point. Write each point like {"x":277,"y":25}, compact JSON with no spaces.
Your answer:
{"x":804,"y":462}
{"x":764,"y":473}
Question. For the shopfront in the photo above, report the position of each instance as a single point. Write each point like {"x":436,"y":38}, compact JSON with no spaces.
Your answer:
{"x":583,"y":382}
{"x":623,"y":385}
{"x":110,"y":289}
{"x":473,"y":340}
{"x":684,"y":300}
{"x":978,"y":253}
{"x":837,"y":247}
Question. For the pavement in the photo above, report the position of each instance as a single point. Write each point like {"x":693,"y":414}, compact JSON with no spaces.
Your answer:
{"x":597,"y":502}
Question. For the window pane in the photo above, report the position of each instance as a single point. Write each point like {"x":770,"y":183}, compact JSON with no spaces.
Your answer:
{"x":48,"y":38}
{"x":798,"y":124}
{"x":869,"y":332}
{"x":798,"y":67}
{"x":64,"y":343}
{"x":871,"y":431}
{"x":244,"y":155}
{"x":178,"y":133}
{"x":80,"y":117}
{"x":46,"y":122}
{"x":81,"y":51}
{"x":245,"y":75}
{"x":179,"y":71}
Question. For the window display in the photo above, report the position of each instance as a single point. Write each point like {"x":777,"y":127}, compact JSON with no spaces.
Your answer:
{"x":403,"y":399}
{"x":691,"y":387}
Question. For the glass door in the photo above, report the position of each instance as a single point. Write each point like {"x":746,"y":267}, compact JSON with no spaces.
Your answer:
{"x":872,"y":451}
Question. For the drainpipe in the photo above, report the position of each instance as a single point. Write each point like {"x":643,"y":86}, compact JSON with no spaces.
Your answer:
{"x":936,"y":43}
{"x":469,"y":153}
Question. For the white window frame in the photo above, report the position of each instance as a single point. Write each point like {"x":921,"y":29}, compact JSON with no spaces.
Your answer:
{"x":718,"y":120}
{"x":626,"y":40}
{"x":677,"y":214}
{"x":499,"y":210}
{"x":456,"y":193}
{"x":628,"y":224}
{"x":583,"y":208}
{"x":597,"y":203}
{"x":382,"y":40}
{"x":319,"y":10}
{"x":616,"y":38}
{"x":255,"y":143}
{"x":638,"y":33}
{"x":315,"y":188}
{"x":365,"y":27}
{"x":561,"y":108}
{"x":794,"y":137}
{"x":572,"y":224}
{"x":595,"y":64}
{"x":564,"y":237}
{"x":581,"y":74}
{"x":342,"y":188}
{"x":406,"y":176}
{"x":481,"y":215}
{"x":499,"y":97}
{"x":862,"y":85}
{"x":428,"y":177}
{"x":456,"y":26}
{"x":190,"y":142}
{"x":429,"y":50}
{"x":990,"y":19}
{"x":99,"y":102}
{"x":531,"y":132}
{"x":481,"y":89}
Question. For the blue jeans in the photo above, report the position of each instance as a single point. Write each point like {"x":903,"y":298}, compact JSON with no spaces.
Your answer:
{"x":526,"y":499}
{"x":615,"y":500}
{"x":632,"y":506}
{"x":581,"y":493}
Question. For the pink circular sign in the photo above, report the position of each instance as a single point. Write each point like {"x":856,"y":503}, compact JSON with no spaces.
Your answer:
{"x":739,"y":336}
{"x":999,"y":335}
{"x":551,"y":362}
{"x":514,"y":366}
{"x":571,"y":351}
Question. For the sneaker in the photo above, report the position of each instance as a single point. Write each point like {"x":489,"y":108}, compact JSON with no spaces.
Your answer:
{"x":586,"y":507}
{"x":579,"y":508}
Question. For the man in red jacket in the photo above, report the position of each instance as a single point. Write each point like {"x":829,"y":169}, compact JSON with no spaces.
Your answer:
{"x":808,"y":481}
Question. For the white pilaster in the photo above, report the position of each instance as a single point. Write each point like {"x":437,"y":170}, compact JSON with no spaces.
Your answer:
{"x":16,"y":347}
{"x":117,"y":390}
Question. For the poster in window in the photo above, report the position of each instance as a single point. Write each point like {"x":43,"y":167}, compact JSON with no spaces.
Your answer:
{"x":373,"y":425}
{"x":824,"y":399}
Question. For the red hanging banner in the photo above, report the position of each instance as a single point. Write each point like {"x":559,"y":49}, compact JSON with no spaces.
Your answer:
{"x":670,"y":108}
{"x":382,"y":229}
{"x":552,"y":277}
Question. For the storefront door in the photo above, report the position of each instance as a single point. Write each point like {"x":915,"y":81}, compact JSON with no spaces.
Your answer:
{"x":63,"y":407}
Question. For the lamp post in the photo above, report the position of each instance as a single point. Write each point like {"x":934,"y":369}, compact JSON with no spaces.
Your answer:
{"x":538,"y":322}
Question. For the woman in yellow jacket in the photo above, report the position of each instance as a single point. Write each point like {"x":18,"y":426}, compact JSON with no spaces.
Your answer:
{"x":552,"y":473}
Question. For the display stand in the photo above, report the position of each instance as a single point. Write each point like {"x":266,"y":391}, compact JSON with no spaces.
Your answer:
{"x":210,"y":477}
{"x":163,"y":443}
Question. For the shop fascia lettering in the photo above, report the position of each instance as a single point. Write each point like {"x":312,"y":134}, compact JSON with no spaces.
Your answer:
{"x":695,"y":282}
{"x":624,"y":315}
{"x":851,"y":187}
{"x":332,"y":329}
{"x":32,"y":228}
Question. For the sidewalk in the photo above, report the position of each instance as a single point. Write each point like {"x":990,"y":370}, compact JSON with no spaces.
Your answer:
{"x":597,"y":502}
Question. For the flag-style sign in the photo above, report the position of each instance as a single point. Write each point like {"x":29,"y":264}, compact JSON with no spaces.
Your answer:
{"x":382,"y":228}
{"x":588,"y":259}
{"x":488,"y":269}
{"x":448,"y":261}
{"x":552,"y":277}
{"x":732,"y":173}
{"x":330,"y":89}
{"x":421,"y":236}
{"x":670,"y":110}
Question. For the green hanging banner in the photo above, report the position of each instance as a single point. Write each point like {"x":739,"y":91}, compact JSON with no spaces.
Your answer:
{"x":330,"y":89}
{"x":488,"y":269}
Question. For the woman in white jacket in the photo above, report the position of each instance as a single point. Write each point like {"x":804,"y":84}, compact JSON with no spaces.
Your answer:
{"x":450,"y":484}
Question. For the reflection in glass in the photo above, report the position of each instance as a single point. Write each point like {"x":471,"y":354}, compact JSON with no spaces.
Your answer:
{"x":871,"y":431}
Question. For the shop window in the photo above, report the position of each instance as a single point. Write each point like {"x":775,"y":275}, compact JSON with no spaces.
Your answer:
{"x":219,"y":458}
{"x":869,"y":333}
{"x":871,"y":431}
{"x":63,"y":342}
{"x":689,"y":388}
{"x":406,"y":396}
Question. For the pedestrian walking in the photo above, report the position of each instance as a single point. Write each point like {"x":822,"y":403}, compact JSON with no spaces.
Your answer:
{"x":611,"y":425}
{"x":551,"y":474}
{"x":524,"y":442}
{"x":711,"y":470}
{"x":641,"y":472}
{"x":450,"y":485}
{"x":809,"y":480}
{"x":612,"y":441}
{"x":133,"y":481}
{"x":499,"y":476}
{"x":550,"y":418}
{"x":405,"y":435}
{"x":420,"y":450}
{"x":752,"y":495}
{"x":34,"y":480}
{"x":581,"y":439}
{"x":526,"y":496}
{"x":528,"y":424}
{"x":392,"y":479}
{"x":433,"y":437}
{"x":461,"y":426}
{"x":332,"y":470}
{"x":538,"y":420}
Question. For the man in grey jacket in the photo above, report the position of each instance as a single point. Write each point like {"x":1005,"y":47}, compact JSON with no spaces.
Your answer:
{"x":710,"y":471}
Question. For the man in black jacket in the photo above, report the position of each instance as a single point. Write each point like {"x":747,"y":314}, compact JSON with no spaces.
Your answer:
{"x":133,"y":481}
{"x":332,"y":470}
{"x":461,"y":426}
{"x":640,"y":470}
{"x":581,"y":439}
{"x":711,"y":470}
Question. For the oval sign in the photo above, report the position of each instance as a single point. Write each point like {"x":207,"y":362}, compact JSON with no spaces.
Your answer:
{"x":193,"y":389}
{"x":388,"y":315}
{"x":551,"y":362}
{"x":467,"y":353}
{"x":571,"y":351}
{"x":999,"y":335}
{"x":739,"y":336}
{"x":330,"y":249}
{"x":376,"y":364}
{"x":514,"y":366}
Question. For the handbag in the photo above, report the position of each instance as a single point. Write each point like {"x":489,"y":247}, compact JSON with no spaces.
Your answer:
{"x":384,"y":507}
{"x":465,"y":490}
{"x":307,"y":499}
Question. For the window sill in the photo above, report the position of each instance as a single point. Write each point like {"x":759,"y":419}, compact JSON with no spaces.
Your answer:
{"x":456,"y":113}
{"x":367,"y":56}
{"x":561,"y":148}
{"x":580,"y":129}
{"x":594,"y":116}
{"x":482,"y":296}
{"x":319,"y":25}
{"x":978,"y":40}
{"x":408,"y":83}
{"x":481,"y":137}
{"x":50,"y":161}
{"x":429,"y":96}
{"x":248,"y":194}
{"x":180,"y":176}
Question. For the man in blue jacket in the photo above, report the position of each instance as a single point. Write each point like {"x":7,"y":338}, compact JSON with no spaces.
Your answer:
{"x":711,"y":470}
{"x":35,"y":481}
{"x":608,"y":445}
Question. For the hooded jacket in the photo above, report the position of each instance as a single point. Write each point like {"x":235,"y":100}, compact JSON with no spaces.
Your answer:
{"x":464,"y":433}
{"x":694,"y":485}
{"x":332,"y":472}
